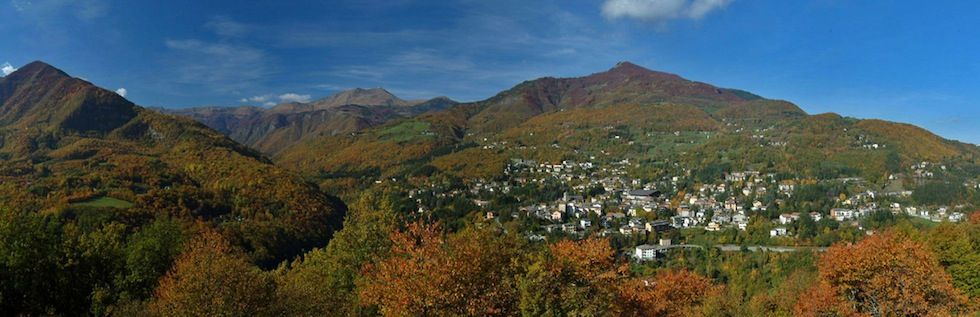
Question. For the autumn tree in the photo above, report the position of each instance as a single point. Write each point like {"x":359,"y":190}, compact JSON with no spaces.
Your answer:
{"x":671,"y":293}
{"x":210,"y":278}
{"x":823,"y":300}
{"x":427,"y":273}
{"x":888,"y":275}
{"x":570,"y":278}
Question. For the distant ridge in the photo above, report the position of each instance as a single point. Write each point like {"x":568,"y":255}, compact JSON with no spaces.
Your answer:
{"x":271,"y":130}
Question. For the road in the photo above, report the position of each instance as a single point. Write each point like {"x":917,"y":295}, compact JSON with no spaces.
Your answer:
{"x":755,"y":248}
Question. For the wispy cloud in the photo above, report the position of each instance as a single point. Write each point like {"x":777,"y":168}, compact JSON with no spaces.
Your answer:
{"x":7,"y":69}
{"x":227,"y":27}
{"x":660,"y":10}
{"x":468,"y":61}
{"x":430,"y":60}
{"x":223,"y":67}
{"x":330,"y":87}
{"x":471,"y":60}
{"x":362,"y":72}
{"x":312,"y":36}
{"x":230,"y":64}
{"x":85,"y":10}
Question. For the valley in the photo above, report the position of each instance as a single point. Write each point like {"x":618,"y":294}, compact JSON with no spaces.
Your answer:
{"x":628,"y":169}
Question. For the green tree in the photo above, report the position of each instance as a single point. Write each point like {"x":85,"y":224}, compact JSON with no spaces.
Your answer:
{"x":806,"y":227}
{"x":150,"y":252}
{"x":323,"y":283}
{"x":32,"y":275}
{"x":958,"y":249}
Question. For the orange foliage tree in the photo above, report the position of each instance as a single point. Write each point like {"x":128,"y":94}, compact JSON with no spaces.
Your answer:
{"x":476,"y":272}
{"x":212,"y":279}
{"x":672,"y":293}
{"x":823,"y":301}
{"x":883,"y":275}
{"x":428,"y":274}
{"x":571,"y":278}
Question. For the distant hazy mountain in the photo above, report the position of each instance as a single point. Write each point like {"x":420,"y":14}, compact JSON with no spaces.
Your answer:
{"x":271,"y":130}
{"x":65,"y":141}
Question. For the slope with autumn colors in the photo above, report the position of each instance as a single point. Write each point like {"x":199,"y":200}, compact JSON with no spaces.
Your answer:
{"x":626,"y":83}
{"x":72,"y":149}
{"x":273,"y":129}
{"x":627,"y":112}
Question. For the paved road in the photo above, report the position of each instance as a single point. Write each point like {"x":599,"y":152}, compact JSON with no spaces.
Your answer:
{"x":755,"y":248}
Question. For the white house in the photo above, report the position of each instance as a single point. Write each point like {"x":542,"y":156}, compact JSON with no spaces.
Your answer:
{"x":956,"y":216}
{"x":786,"y":219}
{"x":841,"y":214}
{"x":645,"y":252}
{"x":778,"y":232}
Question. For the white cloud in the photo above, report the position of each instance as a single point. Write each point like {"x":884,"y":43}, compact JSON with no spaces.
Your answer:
{"x":700,"y":8}
{"x":660,"y":10}
{"x":270,"y":99}
{"x":122,"y":92}
{"x":292,"y":97}
{"x":7,"y":69}
{"x":259,"y":99}
{"x":225,"y":26}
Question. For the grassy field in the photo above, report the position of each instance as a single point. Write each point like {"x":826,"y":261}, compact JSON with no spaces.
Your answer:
{"x":405,"y":131}
{"x":922,"y":223}
{"x":105,"y":202}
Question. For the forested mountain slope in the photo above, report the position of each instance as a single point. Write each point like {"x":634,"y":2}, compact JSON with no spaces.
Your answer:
{"x":77,"y":151}
{"x":627,"y":112}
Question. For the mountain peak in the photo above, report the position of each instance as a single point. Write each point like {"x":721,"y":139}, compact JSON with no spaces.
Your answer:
{"x":629,"y":69}
{"x":379,"y":92}
{"x":38,"y":69}
{"x":361,"y":96}
{"x":627,"y":65}
{"x":40,"y":95}
{"x":370,"y":90}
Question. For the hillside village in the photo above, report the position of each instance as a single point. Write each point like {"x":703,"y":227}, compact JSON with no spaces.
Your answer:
{"x":602,"y":199}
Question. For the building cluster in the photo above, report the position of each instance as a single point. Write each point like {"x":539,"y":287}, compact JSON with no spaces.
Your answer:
{"x":608,"y":201}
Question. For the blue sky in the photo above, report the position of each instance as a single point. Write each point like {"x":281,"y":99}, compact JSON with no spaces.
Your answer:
{"x":906,"y":61}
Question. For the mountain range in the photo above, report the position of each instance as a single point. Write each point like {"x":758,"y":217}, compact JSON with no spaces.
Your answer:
{"x":272,"y":129}
{"x":627,"y":112}
{"x":53,"y":126}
